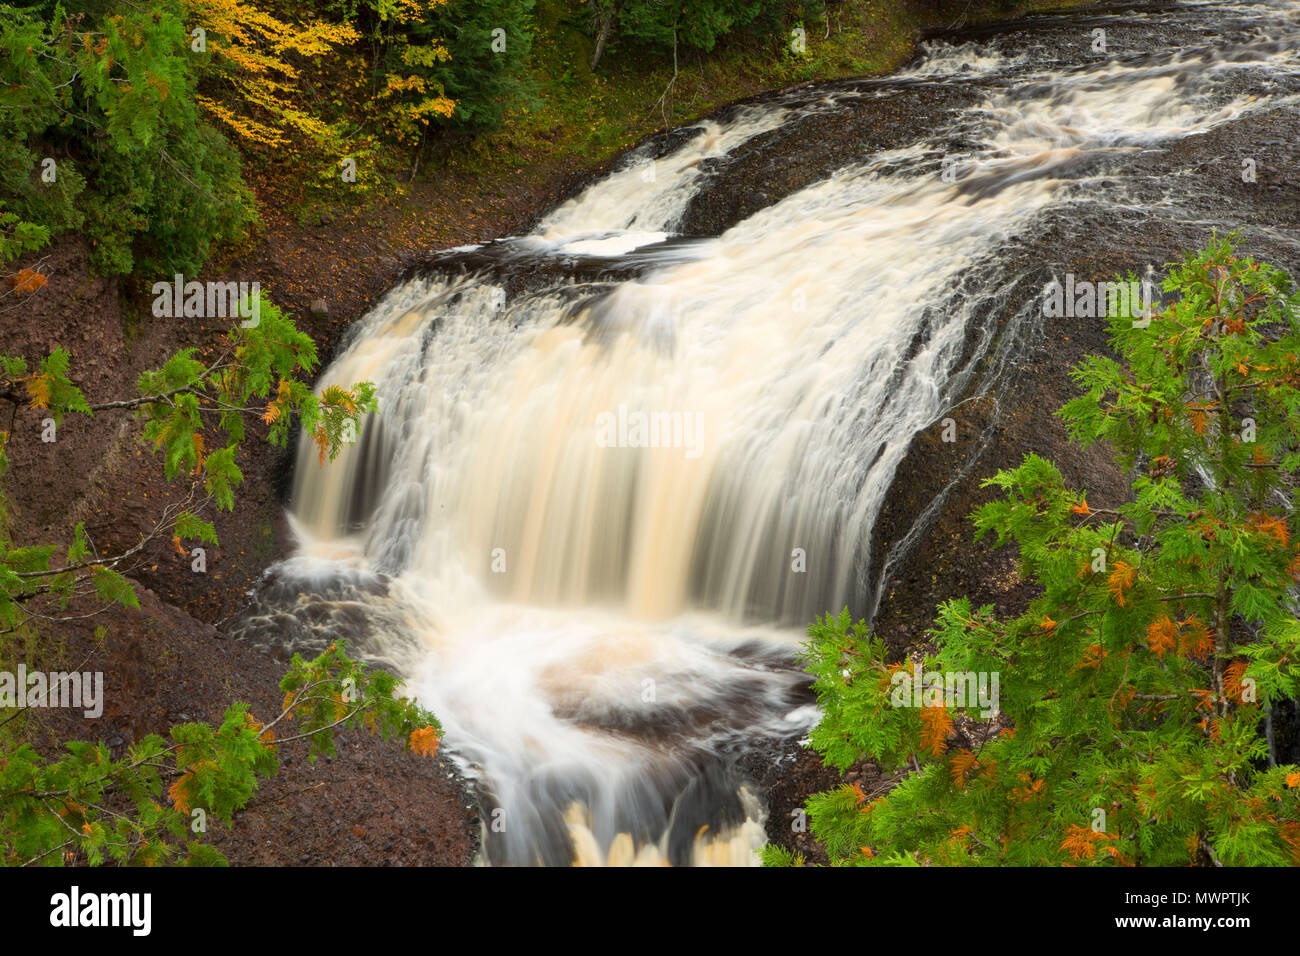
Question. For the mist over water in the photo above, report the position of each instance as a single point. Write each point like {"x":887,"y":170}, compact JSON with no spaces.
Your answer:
{"x":594,"y":515}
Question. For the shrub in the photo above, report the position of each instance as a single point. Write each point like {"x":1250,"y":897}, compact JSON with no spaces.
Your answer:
{"x":1134,"y":688}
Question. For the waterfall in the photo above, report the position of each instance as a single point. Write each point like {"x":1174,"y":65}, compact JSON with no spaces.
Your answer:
{"x":617,"y":470}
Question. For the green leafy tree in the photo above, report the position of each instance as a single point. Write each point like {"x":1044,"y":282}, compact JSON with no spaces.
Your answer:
{"x":1134,"y":689}
{"x":437,"y":63}
{"x":99,"y":132}
{"x":84,"y":806}
{"x":488,"y":42}
{"x":668,"y":24}
{"x":150,"y":807}
{"x":17,"y":237}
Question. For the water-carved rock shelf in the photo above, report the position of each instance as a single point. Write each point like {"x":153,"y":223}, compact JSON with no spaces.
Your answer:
{"x":623,"y":460}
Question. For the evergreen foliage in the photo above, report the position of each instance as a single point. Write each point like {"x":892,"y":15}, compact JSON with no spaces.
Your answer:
{"x":697,"y":24}
{"x":99,"y":132}
{"x":1134,"y":689}
{"x":85,"y":806}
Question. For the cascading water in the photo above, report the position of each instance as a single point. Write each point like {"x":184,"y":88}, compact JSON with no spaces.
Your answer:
{"x":616,"y":470}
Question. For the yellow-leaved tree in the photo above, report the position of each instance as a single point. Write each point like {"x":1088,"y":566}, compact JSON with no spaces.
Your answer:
{"x":269,"y":75}
{"x":260,"y":60}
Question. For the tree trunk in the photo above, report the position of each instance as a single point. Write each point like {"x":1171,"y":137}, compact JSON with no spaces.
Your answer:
{"x":606,"y":22}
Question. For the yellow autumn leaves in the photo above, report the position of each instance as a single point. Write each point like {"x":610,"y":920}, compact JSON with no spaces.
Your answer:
{"x":1082,"y":842}
{"x":250,"y":46}
{"x":38,"y":390}
{"x":936,"y":724}
{"x":263,"y":58}
{"x":1189,"y":637}
{"x":25,"y":281}
{"x":1120,"y":580}
{"x":424,"y":741}
{"x":276,"y":407}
